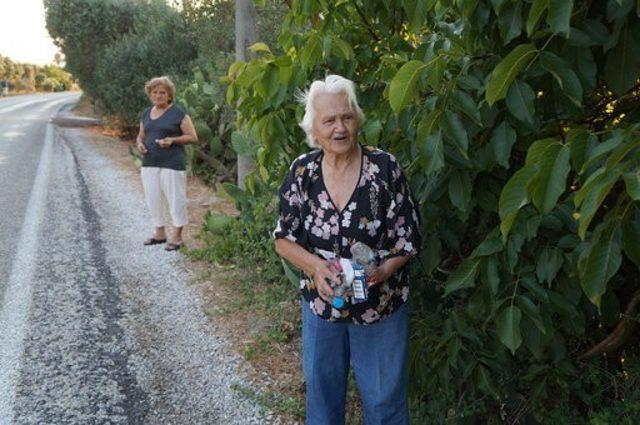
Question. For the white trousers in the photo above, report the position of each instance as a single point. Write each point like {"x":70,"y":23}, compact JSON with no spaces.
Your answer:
{"x":164,"y":187}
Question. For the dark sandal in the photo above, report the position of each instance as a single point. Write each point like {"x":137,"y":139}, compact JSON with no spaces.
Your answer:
{"x":173,"y":246}
{"x":153,"y":241}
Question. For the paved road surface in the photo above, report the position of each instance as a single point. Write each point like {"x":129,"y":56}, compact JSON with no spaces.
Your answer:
{"x":94,"y":328}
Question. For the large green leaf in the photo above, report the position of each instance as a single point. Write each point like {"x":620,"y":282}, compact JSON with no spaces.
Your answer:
{"x":460,"y":190}
{"x":593,"y":199}
{"x":241,"y":144}
{"x":455,"y":131}
{"x":432,"y":153}
{"x":311,"y":52}
{"x":465,"y":104}
{"x":559,"y":16}
{"x":531,"y":311}
{"x":599,"y":151}
{"x":491,"y":273}
{"x":534,"y":340}
{"x":502,"y":140}
{"x":631,"y":240}
{"x":564,"y":75}
{"x":549,"y":263}
{"x":587,"y":187}
{"x":508,"y":328}
{"x":490,"y":245}
{"x":462,"y":277}
{"x":507,"y":70}
{"x":622,"y":66}
{"x":403,"y":85}
{"x":435,"y":71}
{"x":416,"y":11}
{"x":551,"y":181}
{"x":293,"y":276}
{"x":579,"y":141}
{"x":203,"y":131}
{"x":215,"y":146}
{"x":535,"y":14}
{"x":519,"y":100}
{"x":514,"y":196}
{"x":632,"y":182}
{"x":510,"y":22}
{"x":603,"y":262}
{"x":620,"y":153}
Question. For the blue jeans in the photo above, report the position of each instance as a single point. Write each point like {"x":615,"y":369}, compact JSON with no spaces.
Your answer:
{"x":378,"y":354}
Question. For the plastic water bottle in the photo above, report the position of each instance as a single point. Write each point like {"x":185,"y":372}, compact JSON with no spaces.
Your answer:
{"x":359,"y":284}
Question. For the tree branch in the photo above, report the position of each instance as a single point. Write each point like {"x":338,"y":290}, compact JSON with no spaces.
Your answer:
{"x":620,"y":334}
{"x":213,"y":162}
{"x":366,"y":22}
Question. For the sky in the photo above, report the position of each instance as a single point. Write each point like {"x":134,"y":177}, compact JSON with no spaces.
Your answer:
{"x":23,"y":36}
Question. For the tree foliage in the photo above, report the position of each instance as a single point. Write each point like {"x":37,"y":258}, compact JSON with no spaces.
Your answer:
{"x":26,"y":77}
{"x":211,"y":22}
{"x":114,"y":46}
{"x":82,"y":29}
{"x":516,"y":124}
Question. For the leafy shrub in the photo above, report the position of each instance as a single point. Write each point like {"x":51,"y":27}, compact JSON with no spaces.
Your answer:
{"x":113,"y":47}
{"x":155,"y":47}
{"x":246,"y":241}
{"x":202,"y":96}
{"x":516,"y":124}
{"x":83,"y":29}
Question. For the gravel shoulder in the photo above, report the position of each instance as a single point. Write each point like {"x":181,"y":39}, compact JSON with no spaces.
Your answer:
{"x":156,"y":357}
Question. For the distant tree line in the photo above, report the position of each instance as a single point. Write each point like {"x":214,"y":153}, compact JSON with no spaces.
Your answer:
{"x":24,"y":77}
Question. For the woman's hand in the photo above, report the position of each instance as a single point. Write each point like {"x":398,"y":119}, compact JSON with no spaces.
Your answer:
{"x":164,"y":143}
{"x":385,"y":270}
{"x":140,"y":141}
{"x":141,"y":148}
{"x":380,"y":274}
{"x":325,"y":277}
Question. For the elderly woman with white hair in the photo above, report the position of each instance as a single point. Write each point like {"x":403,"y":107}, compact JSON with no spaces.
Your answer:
{"x":337,"y":195}
{"x":164,"y":131}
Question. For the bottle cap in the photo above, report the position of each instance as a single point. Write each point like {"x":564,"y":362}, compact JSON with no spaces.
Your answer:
{"x":338,"y":302}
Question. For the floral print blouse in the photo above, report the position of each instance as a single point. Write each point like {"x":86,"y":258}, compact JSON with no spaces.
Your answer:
{"x":380,"y":213}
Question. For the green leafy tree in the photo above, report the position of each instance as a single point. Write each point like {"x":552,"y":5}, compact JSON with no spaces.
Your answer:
{"x":27,"y":77}
{"x":516,"y":122}
{"x":211,"y":22}
{"x":114,"y":46}
{"x":83,"y":29}
{"x":157,"y":45}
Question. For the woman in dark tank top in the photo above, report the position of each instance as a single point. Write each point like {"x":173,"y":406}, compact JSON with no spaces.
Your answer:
{"x":164,"y":131}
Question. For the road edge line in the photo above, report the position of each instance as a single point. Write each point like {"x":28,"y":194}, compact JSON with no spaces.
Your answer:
{"x":16,"y":305}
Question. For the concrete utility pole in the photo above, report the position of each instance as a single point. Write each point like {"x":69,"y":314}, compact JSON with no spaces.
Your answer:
{"x":245,"y":36}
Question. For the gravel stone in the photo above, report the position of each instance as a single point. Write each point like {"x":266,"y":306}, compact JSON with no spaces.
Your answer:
{"x":117,"y":335}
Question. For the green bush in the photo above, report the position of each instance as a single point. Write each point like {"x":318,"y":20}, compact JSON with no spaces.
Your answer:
{"x":246,"y":241}
{"x":28,"y":77}
{"x":155,"y":47}
{"x":202,"y":96}
{"x":113,"y":47}
{"x":83,"y":29}
{"x":516,"y":124}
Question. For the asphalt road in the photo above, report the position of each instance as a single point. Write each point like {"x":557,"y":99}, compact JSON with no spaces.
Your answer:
{"x":95,"y":328}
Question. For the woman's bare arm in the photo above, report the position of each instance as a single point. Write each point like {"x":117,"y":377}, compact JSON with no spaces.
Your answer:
{"x":140,"y":141}
{"x":385,"y":270}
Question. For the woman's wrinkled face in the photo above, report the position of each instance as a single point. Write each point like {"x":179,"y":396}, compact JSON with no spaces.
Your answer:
{"x":159,"y":96}
{"x":335,"y":123}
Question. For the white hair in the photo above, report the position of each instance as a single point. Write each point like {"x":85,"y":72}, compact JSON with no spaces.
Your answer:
{"x":331,"y":84}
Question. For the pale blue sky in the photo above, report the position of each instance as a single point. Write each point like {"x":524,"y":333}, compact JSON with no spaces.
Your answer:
{"x":23,"y":36}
